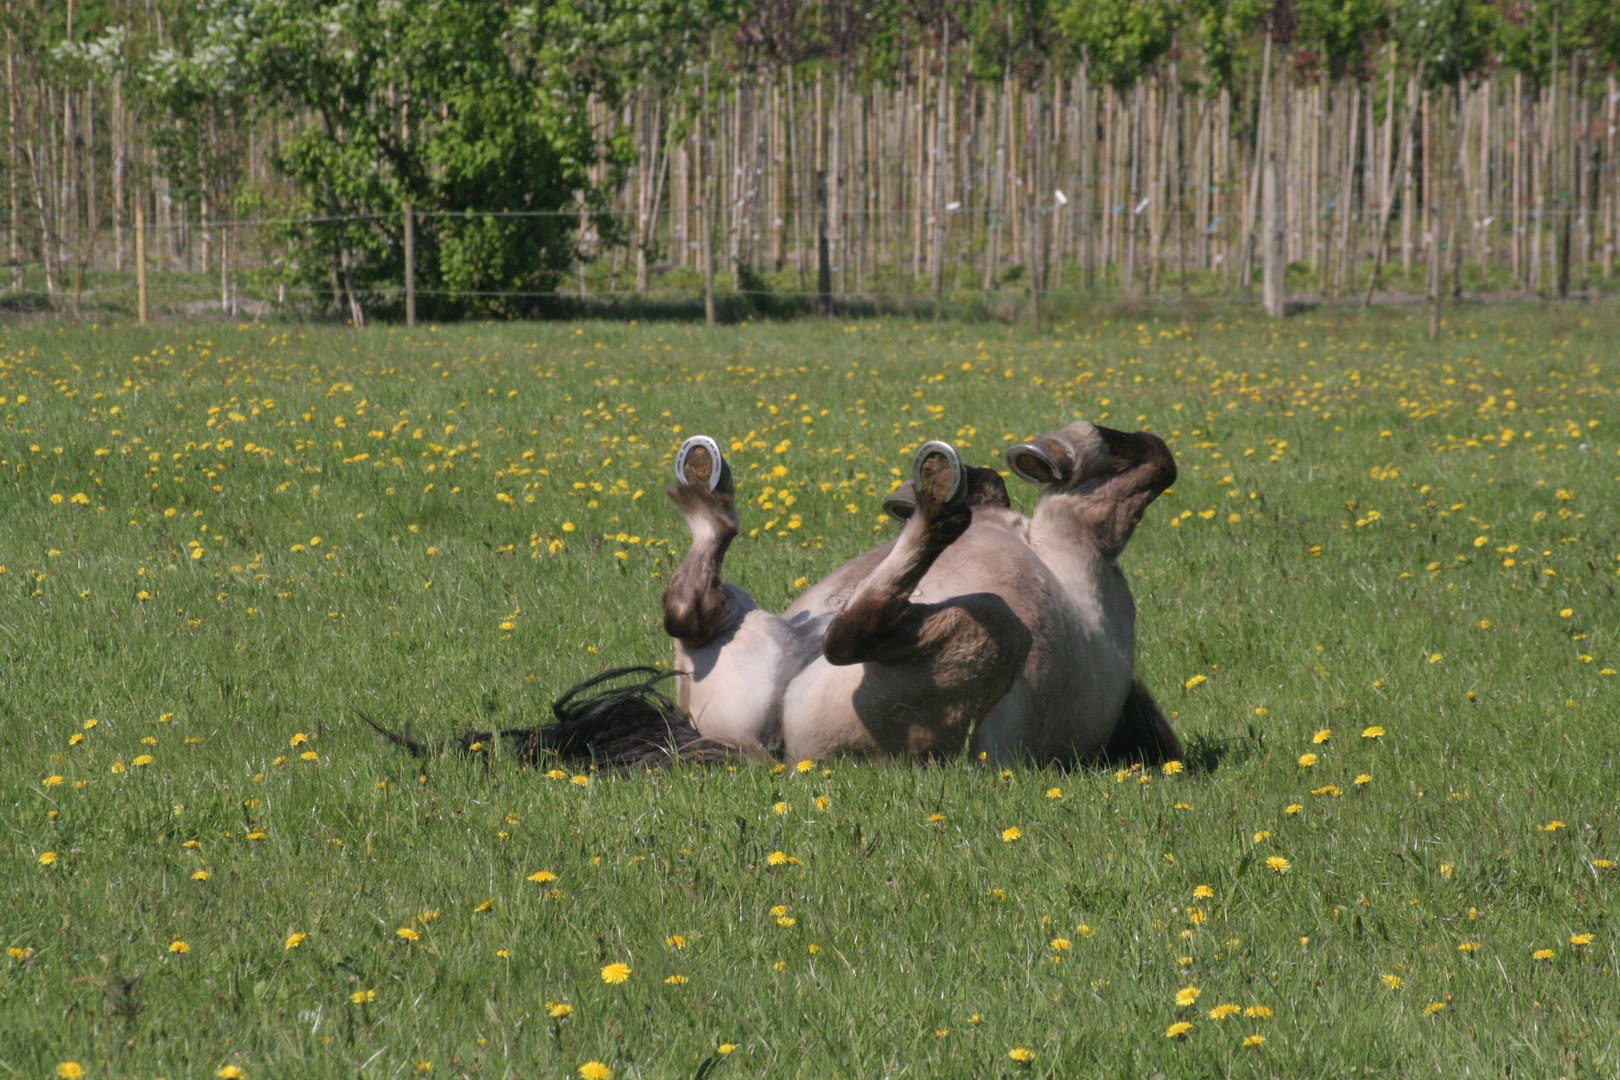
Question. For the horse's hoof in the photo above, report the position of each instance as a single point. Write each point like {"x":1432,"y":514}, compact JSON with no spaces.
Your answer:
{"x":1035,"y":462}
{"x":937,"y":472}
{"x":699,"y":462}
{"x":901,"y":503}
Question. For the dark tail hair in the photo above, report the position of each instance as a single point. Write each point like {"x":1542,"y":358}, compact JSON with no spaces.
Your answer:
{"x":619,"y":726}
{"x":1142,"y":733}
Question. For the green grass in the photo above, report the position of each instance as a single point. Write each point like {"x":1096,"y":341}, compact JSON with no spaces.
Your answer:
{"x":1352,"y":571}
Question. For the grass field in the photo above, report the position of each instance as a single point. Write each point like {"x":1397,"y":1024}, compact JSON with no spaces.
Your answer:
{"x":1380,"y":606}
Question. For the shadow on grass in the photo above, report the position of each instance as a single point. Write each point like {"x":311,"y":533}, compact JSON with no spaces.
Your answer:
{"x":1205,"y":754}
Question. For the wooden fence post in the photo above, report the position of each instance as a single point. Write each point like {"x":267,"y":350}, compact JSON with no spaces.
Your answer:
{"x":140,"y":254}
{"x":1275,"y":264}
{"x":410,"y":266}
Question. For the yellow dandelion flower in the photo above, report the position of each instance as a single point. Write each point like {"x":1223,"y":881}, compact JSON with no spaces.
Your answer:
{"x":1021,"y":1054}
{"x":932,"y":819}
{"x":1223,"y":1010}
{"x":558,"y":1010}
{"x":1307,"y":760}
{"x":1177,"y":1029}
{"x":408,"y":933}
{"x":595,"y":1070}
{"x":1552,"y":826}
{"x":1543,"y":954}
{"x":1362,"y":780}
{"x":614,"y":974}
{"x":805,"y":766}
{"x":52,"y":781}
{"x":1195,"y":680}
{"x":1581,"y":939}
{"x":46,"y":858}
{"x":200,"y":875}
{"x":1394,"y":982}
{"x":1603,"y":864}
{"x":582,"y":781}
{"x":1263,"y":834}
{"x":1203,"y":892}
{"x":725,"y":1048}
{"x":542,"y":876}
{"x":675,"y":980}
{"x":1054,"y":793}
{"x":1433,"y":1007}
{"x":1008,"y":835}
{"x":1257,"y":1012}
{"x":1278,"y":863}
{"x":776,"y":858}
{"x":1170,"y":768}
{"x":785,"y":921}
{"x":360,"y":997}
{"x":485,"y":906}
{"x":1059,"y":944}
{"x":178,"y":946}
{"x":1468,"y":946}
{"x":70,"y":1070}
{"x":1254,"y":1040}
{"x":1374,"y":732}
{"x":780,"y":807}
{"x":1187,"y":995}
{"x":1322,"y":736}
{"x":1292,"y":808}
{"x":229,"y":1072}
{"x":295,"y":940}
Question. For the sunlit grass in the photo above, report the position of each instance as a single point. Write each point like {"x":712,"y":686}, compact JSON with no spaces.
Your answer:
{"x":1379,"y":605}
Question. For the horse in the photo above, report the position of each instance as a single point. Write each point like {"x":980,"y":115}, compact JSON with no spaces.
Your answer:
{"x":977,"y":627}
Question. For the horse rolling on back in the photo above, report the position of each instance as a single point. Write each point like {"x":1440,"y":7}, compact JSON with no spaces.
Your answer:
{"x":976,"y":627}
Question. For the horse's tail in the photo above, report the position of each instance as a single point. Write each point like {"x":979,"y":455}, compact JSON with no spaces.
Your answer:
{"x":1142,"y":733}
{"x":625,"y":723}
{"x":621,"y":725}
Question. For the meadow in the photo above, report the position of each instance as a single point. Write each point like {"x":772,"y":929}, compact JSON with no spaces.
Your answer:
{"x":1379,"y":606}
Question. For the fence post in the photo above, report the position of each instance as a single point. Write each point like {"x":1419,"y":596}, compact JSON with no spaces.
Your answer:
{"x":140,"y":254}
{"x":410,"y":266}
{"x":1274,"y":265}
{"x":823,"y":256}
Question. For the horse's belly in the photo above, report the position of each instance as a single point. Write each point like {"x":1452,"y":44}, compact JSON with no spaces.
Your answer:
{"x":732,"y":687}
{"x":819,"y":719}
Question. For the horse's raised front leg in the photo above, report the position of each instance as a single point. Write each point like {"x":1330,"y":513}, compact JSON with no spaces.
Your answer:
{"x":928,"y":671}
{"x":697,"y":607}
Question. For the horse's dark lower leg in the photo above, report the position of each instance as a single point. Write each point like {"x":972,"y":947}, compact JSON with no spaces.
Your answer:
{"x":880,"y":621}
{"x":695,"y":603}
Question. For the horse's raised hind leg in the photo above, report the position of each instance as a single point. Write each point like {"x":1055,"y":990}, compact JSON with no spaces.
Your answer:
{"x":697,"y":607}
{"x":930,"y":670}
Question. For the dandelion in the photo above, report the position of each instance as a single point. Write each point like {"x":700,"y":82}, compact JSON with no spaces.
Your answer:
{"x":595,"y":1070}
{"x":1581,"y":939}
{"x":1263,"y":834}
{"x":229,"y":1072}
{"x":1203,"y":892}
{"x":1362,"y":780}
{"x":1170,"y":768}
{"x":1195,"y":680}
{"x":779,"y":808}
{"x":1374,"y":732}
{"x":1008,"y":835}
{"x":1257,"y":1012}
{"x":675,"y":980}
{"x":407,"y":933}
{"x":613,"y":974}
{"x":1292,"y":809}
{"x":1394,"y":982}
{"x":1254,"y":1040}
{"x":1021,"y":1054}
{"x":1054,"y":793}
{"x":1468,"y":946}
{"x":46,"y":858}
{"x":582,"y":781}
{"x":1433,"y":1007}
{"x":200,"y":875}
{"x":361,"y":997}
{"x":178,"y":946}
{"x":542,"y":876}
{"x":70,"y":1070}
{"x":725,"y":1048}
{"x":805,"y":766}
{"x":52,"y":781}
{"x":1060,"y":944}
{"x":1177,"y":1029}
{"x":295,"y":940}
{"x":1222,"y":1011}
{"x":785,"y":921}
{"x":1187,"y":995}
{"x":558,"y":1010}
{"x":1552,"y":826}
{"x":1307,"y":760}
{"x":1543,"y":954}
{"x":1278,"y":863}
{"x":933,"y":819}
{"x":1322,"y":736}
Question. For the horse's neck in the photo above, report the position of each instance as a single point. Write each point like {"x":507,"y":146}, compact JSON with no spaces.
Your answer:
{"x":1064,"y":536}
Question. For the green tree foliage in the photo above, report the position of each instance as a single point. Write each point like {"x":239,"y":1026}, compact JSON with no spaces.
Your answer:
{"x":1122,"y":39}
